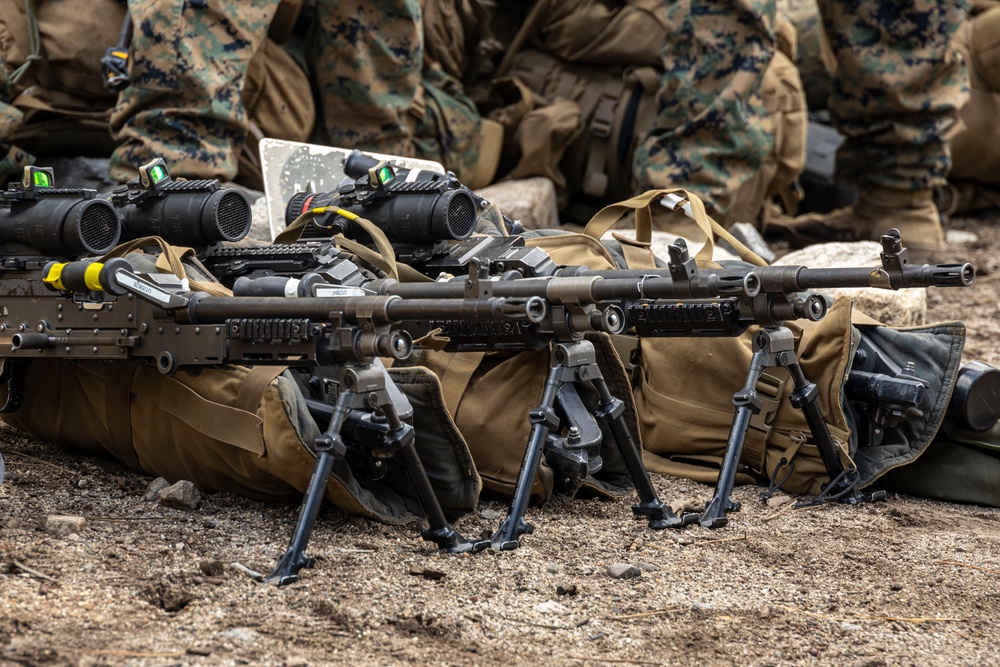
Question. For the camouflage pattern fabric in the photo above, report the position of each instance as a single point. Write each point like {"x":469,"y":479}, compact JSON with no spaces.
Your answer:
{"x":376,"y":90}
{"x":188,"y":65}
{"x":896,"y":94}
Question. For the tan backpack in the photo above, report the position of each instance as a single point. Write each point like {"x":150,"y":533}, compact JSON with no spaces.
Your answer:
{"x":684,"y":387}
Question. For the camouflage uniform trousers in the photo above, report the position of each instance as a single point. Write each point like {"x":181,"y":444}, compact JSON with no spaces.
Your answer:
{"x":190,"y":60}
{"x":896,"y":94}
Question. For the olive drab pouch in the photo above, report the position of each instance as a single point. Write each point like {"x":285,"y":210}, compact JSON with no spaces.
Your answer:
{"x":684,"y":387}
{"x":964,"y":468}
{"x":246,"y":430}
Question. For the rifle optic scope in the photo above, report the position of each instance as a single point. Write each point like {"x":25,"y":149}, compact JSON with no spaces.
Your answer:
{"x":418,"y":211}
{"x":410,"y":213}
{"x":189,"y":213}
{"x":62,"y":222}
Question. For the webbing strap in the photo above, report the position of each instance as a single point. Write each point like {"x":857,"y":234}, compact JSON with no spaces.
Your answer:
{"x":255,"y":384}
{"x":170,"y":260}
{"x":224,"y":423}
{"x":645,"y":212}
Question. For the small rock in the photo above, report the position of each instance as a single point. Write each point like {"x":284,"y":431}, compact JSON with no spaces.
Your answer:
{"x":530,"y":200}
{"x":211,"y":568}
{"x":779,"y":501}
{"x":552,"y":568}
{"x":960,"y":237}
{"x":243,"y":634}
{"x":647,"y":567}
{"x":681,"y":506}
{"x":567,"y":589}
{"x":426,"y":573}
{"x":623,"y":571}
{"x":61,"y":525}
{"x":490,"y":515}
{"x":850,"y":627}
{"x":296,"y":661}
{"x":154,"y":488}
{"x":551,"y":607}
{"x":183,"y":496}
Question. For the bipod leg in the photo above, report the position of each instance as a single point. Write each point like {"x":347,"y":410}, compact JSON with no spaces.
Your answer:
{"x":747,"y":403}
{"x":611,"y":411}
{"x":543,"y":420}
{"x":328,"y":445}
{"x":843,"y":481}
{"x":439,"y":530}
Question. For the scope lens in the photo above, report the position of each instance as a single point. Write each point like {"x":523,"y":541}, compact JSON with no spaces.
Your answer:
{"x":99,"y":227}
{"x":233,"y":215}
{"x":461,"y":215}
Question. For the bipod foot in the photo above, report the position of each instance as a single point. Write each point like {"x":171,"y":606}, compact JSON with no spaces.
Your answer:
{"x":661,"y":516}
{"x":449,"y":540}
{"x":287,"y":569}
{"x":715,"y":512}
{"x":505,"y":539}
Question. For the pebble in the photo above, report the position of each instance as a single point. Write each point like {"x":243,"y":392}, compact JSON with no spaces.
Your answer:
{"x":211,"y":568}
{"x":551,"y":607}
{"x":62,"y":525}
{"x":490,"y":515}
{"x":623,"y":571}
{"x":778,"y":501}
{"x":154,"y":488}
{"x":183,"y":496}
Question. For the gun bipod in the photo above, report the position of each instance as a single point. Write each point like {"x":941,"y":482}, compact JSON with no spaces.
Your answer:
{"x":775,"y":347}
{"x":364,"y":387}
{"x":571,"y":363}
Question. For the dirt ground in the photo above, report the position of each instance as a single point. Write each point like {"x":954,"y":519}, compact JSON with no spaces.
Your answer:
{"x":902,"y":582}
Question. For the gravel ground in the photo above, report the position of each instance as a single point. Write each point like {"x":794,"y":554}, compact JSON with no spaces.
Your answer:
{"x":902,"y":582}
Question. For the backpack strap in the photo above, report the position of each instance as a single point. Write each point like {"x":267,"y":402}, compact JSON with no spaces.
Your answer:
{"x":689,"y":206}
{"x":224,"y":423}
{"x":255,"y":384}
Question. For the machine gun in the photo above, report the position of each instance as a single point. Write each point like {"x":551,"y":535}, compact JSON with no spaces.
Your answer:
{"x":724,"y":302}
{"x":56,"y":306}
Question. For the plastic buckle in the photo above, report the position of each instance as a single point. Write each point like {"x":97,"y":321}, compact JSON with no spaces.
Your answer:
{"x":604,"y":116}
{"x":769,"y":393}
